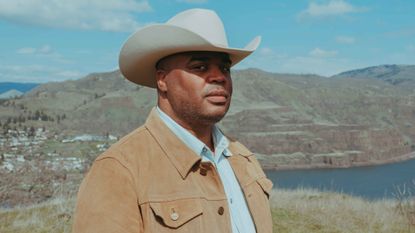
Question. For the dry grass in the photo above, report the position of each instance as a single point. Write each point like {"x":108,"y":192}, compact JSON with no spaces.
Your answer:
{"x":48,"y":217}
{"x":309,"y":211}
{"x":406,"y":206}
{"x":294,"y":211}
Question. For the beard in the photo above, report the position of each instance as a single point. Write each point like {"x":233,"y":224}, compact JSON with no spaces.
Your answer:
{"x":194,"y":114}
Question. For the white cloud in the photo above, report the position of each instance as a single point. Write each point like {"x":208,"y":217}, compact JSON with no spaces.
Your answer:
{"x":317,"y":52}
{"x":36,"y":73}
{"x":317,"y":61}
{"x":316,"y":65}
{"x":26,"y":50}
{"x":330,"y":8}
{"x":69,"y":74}
{"x":45,"y":49}
{"x":345,"y":40}
{"x":109,"y":15}
{"x":266,"y":51}
{"x":193,"y":1}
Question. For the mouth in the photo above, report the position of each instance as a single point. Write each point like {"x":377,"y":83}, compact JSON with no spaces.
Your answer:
{"x":217,"y":96}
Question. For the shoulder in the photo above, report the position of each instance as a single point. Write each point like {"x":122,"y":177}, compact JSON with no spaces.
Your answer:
{"x":237,"y":147}
{"x":130,"y":150}
{"x":127,"y":143}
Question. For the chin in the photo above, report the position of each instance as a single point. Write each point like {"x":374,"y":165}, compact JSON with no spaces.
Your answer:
{"x":216,"y":114}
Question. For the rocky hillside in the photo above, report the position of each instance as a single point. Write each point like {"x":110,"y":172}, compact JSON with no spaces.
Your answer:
{"x":353,"y":118}
{"x":403,"y":76}
{"x":11,"y":94}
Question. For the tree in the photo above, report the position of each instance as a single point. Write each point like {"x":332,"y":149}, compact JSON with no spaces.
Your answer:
{"x":31,"y":131}
{"x":44,"y":117}
{"x":37,"y":115}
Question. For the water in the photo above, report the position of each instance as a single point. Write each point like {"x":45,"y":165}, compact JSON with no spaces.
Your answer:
{"x":372,"y":182}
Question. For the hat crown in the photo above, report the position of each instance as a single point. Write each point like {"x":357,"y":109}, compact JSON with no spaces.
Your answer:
{"x":205,"y":23}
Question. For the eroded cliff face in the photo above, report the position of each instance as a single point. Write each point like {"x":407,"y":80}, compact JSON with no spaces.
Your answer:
{"x":283,"y":141}
{"x":287,"y":120}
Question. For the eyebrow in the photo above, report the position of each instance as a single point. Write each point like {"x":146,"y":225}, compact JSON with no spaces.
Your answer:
{"x":207,"y":58}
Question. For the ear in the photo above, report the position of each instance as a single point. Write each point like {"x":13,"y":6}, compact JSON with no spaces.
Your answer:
{"x":161,"y":80}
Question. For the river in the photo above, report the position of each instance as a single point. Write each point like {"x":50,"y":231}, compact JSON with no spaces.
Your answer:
{"x":371,"y":182}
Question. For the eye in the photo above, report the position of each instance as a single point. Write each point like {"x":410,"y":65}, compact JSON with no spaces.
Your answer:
{"x":199,"y":67}
{"x":226,"y":69}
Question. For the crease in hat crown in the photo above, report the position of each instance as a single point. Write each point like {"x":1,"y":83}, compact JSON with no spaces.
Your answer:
{"x":211,"y":27}
{"x":190,"y":30}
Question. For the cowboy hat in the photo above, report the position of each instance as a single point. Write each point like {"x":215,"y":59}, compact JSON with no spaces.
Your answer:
{"x":190,"y":30}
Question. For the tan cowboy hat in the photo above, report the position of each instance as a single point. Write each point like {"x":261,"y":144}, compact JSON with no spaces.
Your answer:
{"x":190,"y":30}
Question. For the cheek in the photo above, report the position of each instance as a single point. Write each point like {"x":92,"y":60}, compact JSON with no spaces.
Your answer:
{"x":185,"y":87}
{"x":184,"y":93}
{"x":229,"y":86}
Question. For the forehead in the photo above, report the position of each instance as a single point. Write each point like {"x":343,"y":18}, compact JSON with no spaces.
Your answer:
{"x":197,"y":56}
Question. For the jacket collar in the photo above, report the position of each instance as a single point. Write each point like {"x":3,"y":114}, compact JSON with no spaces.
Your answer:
{"x":237,"y":148}
{"x":181,"y":156}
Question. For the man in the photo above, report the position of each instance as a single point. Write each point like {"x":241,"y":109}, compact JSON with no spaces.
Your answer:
{"x":178,"y":172}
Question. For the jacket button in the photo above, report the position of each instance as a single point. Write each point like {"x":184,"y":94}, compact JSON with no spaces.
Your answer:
{"x":221,"y":210}
{"x":174,"y":216}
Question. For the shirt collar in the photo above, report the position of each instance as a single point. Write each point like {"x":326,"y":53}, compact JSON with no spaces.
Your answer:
{"x":180,"y":155}
{"x":219,"y":140}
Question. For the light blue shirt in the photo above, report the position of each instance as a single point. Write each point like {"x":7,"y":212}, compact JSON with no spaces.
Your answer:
{"x":241,"y":219}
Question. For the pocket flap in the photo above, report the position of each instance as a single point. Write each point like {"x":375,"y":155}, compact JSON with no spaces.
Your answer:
{"x":176,"y":213}
{"x":266,"y":184}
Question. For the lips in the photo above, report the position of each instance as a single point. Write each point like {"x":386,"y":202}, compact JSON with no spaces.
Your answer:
{"x":217,"y":96}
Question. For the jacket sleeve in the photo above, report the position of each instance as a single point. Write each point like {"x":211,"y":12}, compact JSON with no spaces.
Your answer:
{"x":107,"y":201}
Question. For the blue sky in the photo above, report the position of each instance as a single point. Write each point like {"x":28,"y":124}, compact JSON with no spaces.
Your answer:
{"x":43,"y":40}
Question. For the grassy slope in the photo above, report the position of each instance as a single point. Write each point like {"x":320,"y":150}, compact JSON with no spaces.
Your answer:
{"x":302,"y":211}
{"x":48,"y":217}
{"x":312,"y":211}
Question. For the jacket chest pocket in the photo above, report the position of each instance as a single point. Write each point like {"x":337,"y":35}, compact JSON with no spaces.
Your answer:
{"x":182,"y":215}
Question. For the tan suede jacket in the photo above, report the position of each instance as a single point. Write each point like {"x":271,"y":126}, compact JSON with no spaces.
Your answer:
{"x":150,"y":181}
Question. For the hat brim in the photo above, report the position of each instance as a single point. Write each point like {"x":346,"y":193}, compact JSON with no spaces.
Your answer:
{"x":145,"y":47}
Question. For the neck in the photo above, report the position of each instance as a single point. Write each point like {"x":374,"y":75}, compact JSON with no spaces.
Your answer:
{"x":201,"y":130}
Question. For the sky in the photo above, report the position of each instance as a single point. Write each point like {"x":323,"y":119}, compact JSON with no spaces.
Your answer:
{"x":56,"y":40}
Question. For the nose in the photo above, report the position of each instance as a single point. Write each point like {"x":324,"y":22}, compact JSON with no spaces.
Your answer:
{"x":217,"y":75}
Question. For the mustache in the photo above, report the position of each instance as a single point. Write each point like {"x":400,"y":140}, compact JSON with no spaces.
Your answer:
{"x":216,"y":91}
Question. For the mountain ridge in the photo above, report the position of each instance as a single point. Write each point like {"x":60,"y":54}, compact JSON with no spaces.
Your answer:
{"x":393,"y":74}
{"x":287,"y":119}
{"x":13,"y":93}
{"x":23,"y":87}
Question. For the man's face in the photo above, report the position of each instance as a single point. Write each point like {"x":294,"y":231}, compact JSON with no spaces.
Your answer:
{"x":195,"y":87}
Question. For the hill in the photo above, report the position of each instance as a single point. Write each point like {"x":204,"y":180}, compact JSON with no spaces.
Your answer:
{"x":288,"y":120}
{"x":22,"y":87}
{"x":401,"y":75}
{"x":11,"y":94}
